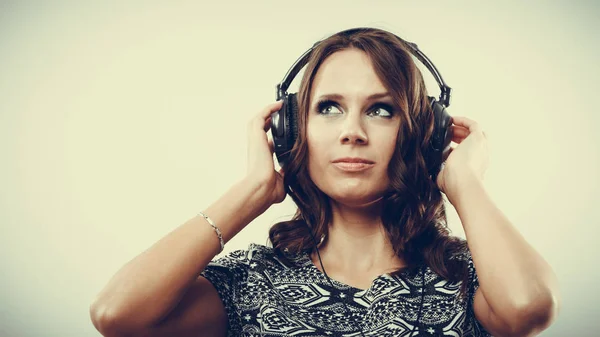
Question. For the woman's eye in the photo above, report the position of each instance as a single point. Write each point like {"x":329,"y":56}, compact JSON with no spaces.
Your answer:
{"x":382,"y":111}
{"x":378,"y":110}
{"x":328,"y":108}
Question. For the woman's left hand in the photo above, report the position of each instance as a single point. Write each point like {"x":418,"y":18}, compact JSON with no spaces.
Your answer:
{"x":467,"y":161}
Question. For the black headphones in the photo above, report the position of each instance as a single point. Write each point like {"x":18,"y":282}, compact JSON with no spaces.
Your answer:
{"x":284,"y":123}
{"x":284,"y":127}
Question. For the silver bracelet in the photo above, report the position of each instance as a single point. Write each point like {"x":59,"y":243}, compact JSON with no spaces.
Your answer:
{"x":217,"y":230}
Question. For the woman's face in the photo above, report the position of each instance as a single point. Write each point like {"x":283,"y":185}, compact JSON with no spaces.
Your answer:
{"x":351,"y":115}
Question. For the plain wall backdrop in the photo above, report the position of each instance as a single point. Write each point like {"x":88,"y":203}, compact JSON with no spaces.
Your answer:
{"x":118,"y":122}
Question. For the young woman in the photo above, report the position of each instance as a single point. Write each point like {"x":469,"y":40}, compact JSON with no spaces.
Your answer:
{"x":368,"y":252}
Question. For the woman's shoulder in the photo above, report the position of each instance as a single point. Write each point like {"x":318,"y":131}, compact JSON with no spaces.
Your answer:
{"x":256,"y":253}
{"x":260,"y":248}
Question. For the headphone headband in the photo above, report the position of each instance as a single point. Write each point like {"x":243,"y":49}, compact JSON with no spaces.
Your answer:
{"x":445,"y":94}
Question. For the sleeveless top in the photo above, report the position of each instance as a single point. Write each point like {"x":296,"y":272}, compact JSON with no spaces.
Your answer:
{"x":264,"y":297}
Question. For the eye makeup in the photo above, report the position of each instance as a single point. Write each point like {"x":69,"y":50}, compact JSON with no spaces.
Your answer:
{"x":326,"y":103}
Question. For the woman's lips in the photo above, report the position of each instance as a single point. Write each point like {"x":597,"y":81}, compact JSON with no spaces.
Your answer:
{"x":352,"y":167}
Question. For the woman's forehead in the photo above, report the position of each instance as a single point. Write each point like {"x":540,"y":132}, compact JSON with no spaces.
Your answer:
{"x":347,"y":73}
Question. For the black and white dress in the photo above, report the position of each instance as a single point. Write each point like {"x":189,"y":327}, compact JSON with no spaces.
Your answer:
{"x":263,"y":297}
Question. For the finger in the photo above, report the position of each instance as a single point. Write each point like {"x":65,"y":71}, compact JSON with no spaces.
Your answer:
{"x":271,"y":146}
{"x":267,"y":124}
{"x":262,"y":119}
{"x":468,"y":123}
{"x":281,"y":172}
{"x":447,"y":154}
{"x":270,"y":109}
{"x":458,"y":139}
{"x":459,"y":131}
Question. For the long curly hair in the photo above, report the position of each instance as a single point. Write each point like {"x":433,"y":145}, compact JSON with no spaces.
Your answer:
{"x":414,"y":216}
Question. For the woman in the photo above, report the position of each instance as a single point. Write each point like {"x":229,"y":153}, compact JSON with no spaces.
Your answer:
{"x":392,"y":269}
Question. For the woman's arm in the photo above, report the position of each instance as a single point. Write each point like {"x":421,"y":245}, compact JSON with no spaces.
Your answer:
{"x":159,"y":293}
{"x":518,"y":293}
{"x":149,"y":287}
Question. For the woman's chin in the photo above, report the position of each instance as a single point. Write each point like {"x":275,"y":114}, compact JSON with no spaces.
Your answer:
{"x":353,"y":193}
{"x":357,"y":200}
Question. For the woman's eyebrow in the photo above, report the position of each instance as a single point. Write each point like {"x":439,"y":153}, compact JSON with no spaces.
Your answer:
{"x":341,"y":97}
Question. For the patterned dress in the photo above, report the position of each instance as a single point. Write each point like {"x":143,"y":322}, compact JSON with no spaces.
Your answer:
{"x":263,"y":297}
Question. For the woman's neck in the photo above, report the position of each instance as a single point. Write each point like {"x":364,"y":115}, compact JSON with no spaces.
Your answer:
{"x":357,"y":241}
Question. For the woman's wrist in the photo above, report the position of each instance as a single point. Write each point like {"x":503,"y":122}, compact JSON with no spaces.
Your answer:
{"x":259,"y":191}
{"x":242,"y":203}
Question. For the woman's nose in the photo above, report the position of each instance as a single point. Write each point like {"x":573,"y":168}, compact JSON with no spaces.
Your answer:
{"x":353,"y":131}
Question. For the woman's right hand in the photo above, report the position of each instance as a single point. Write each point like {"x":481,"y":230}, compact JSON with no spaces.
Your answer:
{"x":261,"y":166}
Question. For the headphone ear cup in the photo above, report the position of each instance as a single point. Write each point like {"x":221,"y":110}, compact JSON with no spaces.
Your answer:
{"x":285,"y":128}
{"x":442,"y":132}
{"x":441,"y":137}
{"x":291,"y":115}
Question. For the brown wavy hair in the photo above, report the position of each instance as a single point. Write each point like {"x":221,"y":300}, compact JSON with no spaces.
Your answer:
{"x":414,"y":216}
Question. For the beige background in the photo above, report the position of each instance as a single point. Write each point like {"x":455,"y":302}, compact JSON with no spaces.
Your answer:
{"x":119,"y":122}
